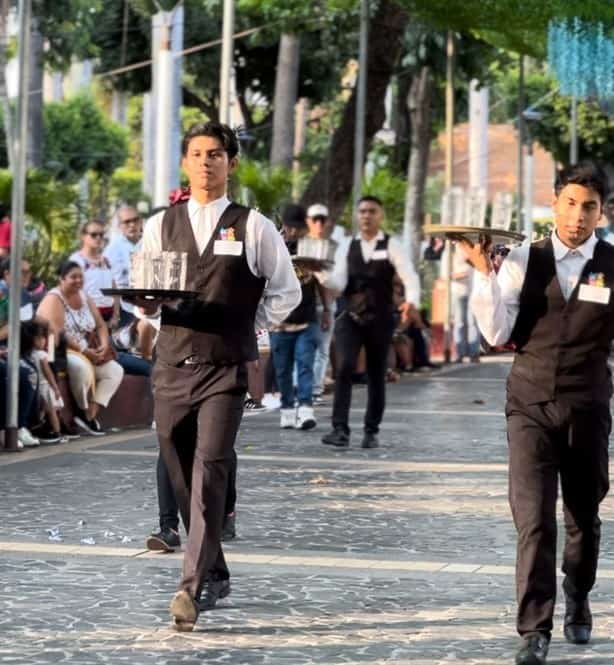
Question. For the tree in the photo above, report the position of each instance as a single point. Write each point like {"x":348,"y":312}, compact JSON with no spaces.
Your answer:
{"x":81,"y":139}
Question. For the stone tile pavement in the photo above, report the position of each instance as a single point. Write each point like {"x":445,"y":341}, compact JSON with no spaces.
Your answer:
{"x":402,"y":554}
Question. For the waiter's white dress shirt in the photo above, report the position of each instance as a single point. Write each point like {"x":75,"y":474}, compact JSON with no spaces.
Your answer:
{"x":337,"y":278}
{"x":265,"y":252}
{"x":495,"y":299}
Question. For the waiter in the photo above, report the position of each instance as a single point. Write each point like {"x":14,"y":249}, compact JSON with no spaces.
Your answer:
{"x":553,"y":300}
{"x":240,"y":267}
{"x":365,"y":278}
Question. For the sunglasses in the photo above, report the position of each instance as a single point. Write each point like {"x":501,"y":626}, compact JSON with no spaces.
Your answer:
{"x":95,"y":234}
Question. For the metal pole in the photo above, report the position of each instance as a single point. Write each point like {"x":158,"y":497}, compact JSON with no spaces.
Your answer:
{"x":164,"y":118}
{"x":449,"y":180}
{"x":573,"y":144}
{"x":361,"y":105}
{"x":528,"y":195}
{"x":226,"y":66}
{"x":18,"y":195}
{"x":520,"y":172}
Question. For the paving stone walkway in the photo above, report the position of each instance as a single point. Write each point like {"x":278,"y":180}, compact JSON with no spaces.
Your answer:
{"x":403,"y":554}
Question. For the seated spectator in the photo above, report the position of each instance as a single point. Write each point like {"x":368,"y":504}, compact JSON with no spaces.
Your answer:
{"x":34,"y":340}
{"x":93,"y":375}
{"x":5,"y":231}
{"x":97,"y":271}
{"x":134,"y":345}
{"x":27,"y":305}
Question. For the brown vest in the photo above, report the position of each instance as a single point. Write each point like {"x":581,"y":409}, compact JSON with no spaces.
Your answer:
{"x":218,"y":326}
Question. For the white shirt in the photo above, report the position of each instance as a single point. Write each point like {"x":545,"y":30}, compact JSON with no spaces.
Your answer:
{"x":495,"y":300}
{"x":265,"y":251}
{"x":462,"y":271}
{"x":118,"y":253}
{"x":337,"y":278}
{"x":96,"y":276}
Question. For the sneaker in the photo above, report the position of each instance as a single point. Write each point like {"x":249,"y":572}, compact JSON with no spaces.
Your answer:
{"x":48,"y":436}
{"x":25,"y":437}
{"x":165,"y":540}
{"x":253,"y":406}
{"x":305,"y":418}
{"x":90,"y":426}
{"x":229,"y":531}
{"x":214,"y":590}
{"x":69,"y":431}
{"x":317,"y":400}
{"x":287,"y":418}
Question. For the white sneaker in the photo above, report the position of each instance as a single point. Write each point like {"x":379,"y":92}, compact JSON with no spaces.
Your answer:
{"x":26,"y":438}
{"x":288,"y":418}
{"x":305,"y":418}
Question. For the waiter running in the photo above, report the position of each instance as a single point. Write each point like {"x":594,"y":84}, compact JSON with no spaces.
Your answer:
{"x":241,"y":269}
{"x":364,"y":276}
{"x":553,"y":300}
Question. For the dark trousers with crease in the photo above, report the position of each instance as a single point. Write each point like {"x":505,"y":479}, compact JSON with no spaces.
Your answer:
{"x":198,"y":411}
{"x":350,"y":337}
{"x":168,"y":509}
{"x":548,"y":441}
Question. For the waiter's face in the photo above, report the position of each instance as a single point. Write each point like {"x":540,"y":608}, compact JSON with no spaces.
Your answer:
{"x":370,"y":216}
{"x":207,"y":165}
{"x":577,"y":210}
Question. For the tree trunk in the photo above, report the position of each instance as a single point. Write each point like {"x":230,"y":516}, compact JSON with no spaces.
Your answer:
{"x":35,"y":106}
{"x":286,"y":91}
{"x":332,"y":182}
{"x":419,"y":105}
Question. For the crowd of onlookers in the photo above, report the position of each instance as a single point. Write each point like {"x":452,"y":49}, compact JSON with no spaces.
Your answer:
{"x":70,"y":330}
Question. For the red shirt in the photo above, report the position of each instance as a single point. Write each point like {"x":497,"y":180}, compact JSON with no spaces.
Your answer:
{"x":5,"y":233}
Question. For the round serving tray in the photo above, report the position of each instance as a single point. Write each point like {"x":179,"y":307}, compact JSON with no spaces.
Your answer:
{"x":150,"y":294}
{"x":308,"y":263}
{"x":471,"y":232}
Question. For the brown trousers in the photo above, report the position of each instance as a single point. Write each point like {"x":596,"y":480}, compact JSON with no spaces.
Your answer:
{"x":198,"y":411}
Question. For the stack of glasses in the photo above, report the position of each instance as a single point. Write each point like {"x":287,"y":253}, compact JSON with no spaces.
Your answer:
{"x":164,"y":270}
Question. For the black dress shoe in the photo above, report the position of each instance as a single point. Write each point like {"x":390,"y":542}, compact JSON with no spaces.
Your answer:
{"x":214,"y":590}
{"x":165,"y":540}
{"x":228,"y":528}
{"x":534,"y":650}
{"x":184,"y":610}
{"x":338,"y":437}
{"x":578,"y":621}
{"x":369,"y":440}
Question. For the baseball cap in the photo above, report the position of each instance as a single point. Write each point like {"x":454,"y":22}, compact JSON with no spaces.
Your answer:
{"x":317,"y":210}
{"x":293,"y":215}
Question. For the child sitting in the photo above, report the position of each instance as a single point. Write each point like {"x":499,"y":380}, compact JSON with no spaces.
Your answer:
{"x":34,"y":342}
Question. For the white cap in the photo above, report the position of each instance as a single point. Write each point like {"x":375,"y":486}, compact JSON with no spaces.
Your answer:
{"x":317,"y":210}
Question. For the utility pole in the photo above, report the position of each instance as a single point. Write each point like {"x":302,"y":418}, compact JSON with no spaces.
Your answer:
{"x":227,"y":59}
{"x":520,"y":172}
{"x":18,"y":198}
{"x":449,"y":181}
{"x":361,"y":106}
{"x":164,"y":72}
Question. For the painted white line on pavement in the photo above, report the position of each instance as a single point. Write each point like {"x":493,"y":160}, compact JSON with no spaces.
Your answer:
{"x":426,"y":467}
{"x":304,"y":560}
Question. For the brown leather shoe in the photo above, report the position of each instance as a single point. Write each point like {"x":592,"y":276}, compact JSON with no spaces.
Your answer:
{"x":184,"y":611}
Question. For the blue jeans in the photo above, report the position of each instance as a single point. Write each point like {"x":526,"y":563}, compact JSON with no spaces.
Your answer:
{"x":134,"y":364}
{"x":320,"y":364}
{"x":27,"y":402}
{"x":466,"y":336}
{"x":288,"y":348}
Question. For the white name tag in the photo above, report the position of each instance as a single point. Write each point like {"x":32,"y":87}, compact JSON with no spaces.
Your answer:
{"x":598,"y":294}
{"x":229,"y":247}
{"x":379,"y":255}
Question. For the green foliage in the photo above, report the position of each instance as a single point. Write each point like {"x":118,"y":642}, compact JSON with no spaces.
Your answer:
{"x":127,"y":186}
{"x":79,"y":138}
{"x":595,"y":128}
{"x":51,"y":218}
{"x":390,"y":189}
{"x":268,"y":188}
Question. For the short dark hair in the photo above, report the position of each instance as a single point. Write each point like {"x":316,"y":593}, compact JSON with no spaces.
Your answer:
{"x":66,"y":267}
{"x":587,"y":174}
{"x":29,"y":331}
{"x":372,"y":199}
{"x":84,"y":227}
{"x":294,"y":215}
{"x":223,"y":133}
